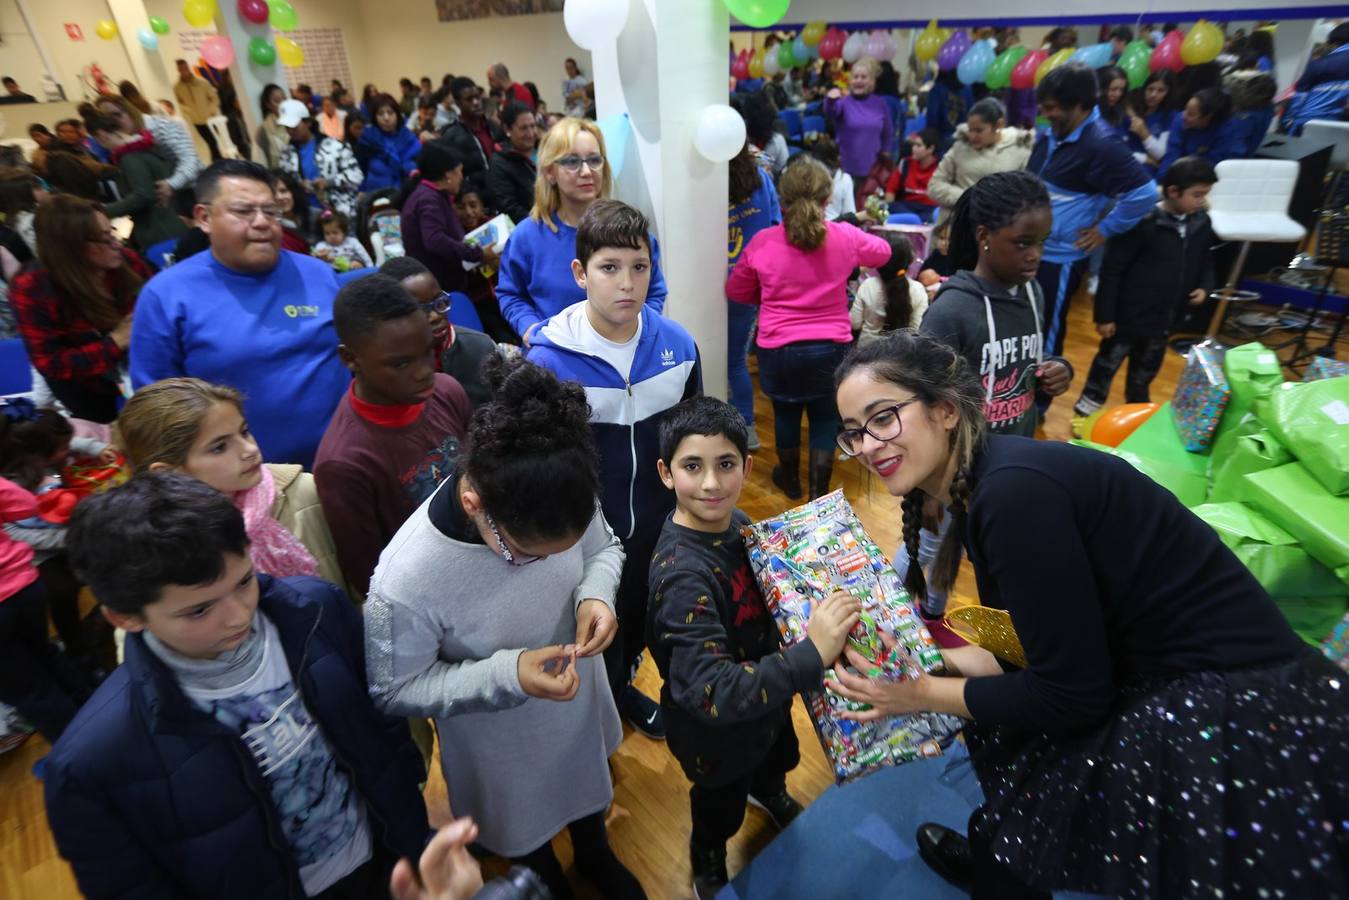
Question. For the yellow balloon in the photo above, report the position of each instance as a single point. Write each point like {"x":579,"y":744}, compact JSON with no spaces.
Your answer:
{"x":929,"y":42}
{"x":290,"y":53}
{"x":199,"y":13}
{"x":106,"y":29}
{"x":756,"y":64}
{"x":1202,"y":44}
{"x":812,"y":33}
{"x":1053,"y":63}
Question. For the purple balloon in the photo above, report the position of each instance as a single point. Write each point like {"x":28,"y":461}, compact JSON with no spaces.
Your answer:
{"x":953,"y":50}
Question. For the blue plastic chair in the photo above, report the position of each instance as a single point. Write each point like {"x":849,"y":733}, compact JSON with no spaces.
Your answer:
{"x":904,"y":219}
{"x":16,"y":375}
{"x":463,"y":312}
{"x":813,"y":123}
{"x":792,"y":119}
{"x":353,"y":274}
{"x":158,"y":255}
{"x":815,"y":108}
{"x":916,"y":124}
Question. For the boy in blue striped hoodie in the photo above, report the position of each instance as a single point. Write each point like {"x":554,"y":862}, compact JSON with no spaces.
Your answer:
{"x":634,"y":365}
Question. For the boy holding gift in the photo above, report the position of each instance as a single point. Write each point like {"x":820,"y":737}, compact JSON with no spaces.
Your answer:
{"x":728,"y":683}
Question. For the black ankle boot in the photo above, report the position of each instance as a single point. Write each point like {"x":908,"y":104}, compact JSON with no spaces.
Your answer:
{"x":947,"y":852}
{"x":821,"y":470}
{"x":787,"y":473}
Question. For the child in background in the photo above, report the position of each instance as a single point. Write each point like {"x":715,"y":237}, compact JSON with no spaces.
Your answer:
{"x":634,"y":364}
{"x":471,"y":209}
{"x":906,"y":191}
{"x":842,"y":201}
{"x":892,"y":300}
{"x":480,"y":283}
{"x":396,"y":434}
{"x":238,"y":728}
{"x":1150,"y":272}
{"x":488,"y":611}
{"x":937,"y":265}
{"x":728,"y":684}
{"x":338,"y":247}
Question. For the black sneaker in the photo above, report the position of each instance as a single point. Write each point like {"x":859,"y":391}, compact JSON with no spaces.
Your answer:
{"x":642,"y":712}
{"x":947,"y":852}
{"x":781,"y":808}
{"x":709,"y":870}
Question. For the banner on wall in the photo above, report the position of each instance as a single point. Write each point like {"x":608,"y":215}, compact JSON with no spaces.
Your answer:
{"x":457,"y":10}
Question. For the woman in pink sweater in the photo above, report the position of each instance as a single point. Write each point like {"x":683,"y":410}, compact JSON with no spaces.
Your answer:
{"x":798,"y":273}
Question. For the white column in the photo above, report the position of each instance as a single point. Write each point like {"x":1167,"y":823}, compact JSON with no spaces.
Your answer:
{"x":249,"y":77}
{"x":668,"y":65}
{"x":154,"y":73}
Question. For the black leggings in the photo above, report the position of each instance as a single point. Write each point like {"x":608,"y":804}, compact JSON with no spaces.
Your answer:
{"x":588,"y":839}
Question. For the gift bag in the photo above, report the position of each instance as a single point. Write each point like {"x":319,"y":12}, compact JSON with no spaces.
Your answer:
{"x":800,"y":558}
{"x":1272,"y":554}
{"x":1201,"y":396}
{"x":1295,"y":501}
{"x":1312,"y":421}
{"x":1253,"y":372}
{"x":1323,"y":367}
{"x":1247,"y":448}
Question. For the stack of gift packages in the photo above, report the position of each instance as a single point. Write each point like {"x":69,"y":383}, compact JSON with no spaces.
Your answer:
{"x":803,"y":556}
{"x":1266,"y":463}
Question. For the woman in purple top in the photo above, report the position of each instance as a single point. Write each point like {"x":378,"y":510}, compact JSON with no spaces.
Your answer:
{"x":862,"y":124}
{"x":432,"y":232}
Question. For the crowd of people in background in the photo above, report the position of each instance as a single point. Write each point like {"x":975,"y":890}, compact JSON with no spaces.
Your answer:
{"x":296,"y":398}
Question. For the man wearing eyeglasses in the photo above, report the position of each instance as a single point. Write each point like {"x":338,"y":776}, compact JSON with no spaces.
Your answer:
{"x":247,"y":314}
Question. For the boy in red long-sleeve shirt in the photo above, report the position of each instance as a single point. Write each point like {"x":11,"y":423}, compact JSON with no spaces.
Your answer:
{"x":906,"y":191}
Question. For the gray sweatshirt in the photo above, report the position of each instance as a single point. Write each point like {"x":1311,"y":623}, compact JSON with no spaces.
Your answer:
{"x":446,"y":622}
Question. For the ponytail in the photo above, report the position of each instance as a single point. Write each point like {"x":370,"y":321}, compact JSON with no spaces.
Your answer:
{"x":805,"y":189}
{"x":895,"y":282}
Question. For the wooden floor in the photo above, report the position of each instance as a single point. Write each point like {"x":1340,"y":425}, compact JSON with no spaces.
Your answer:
{"x":650,"y":818}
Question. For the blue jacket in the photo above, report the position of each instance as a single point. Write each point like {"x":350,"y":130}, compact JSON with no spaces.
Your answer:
{"x":747,"y":219}
{"x":1086,"y":172}
{"x":625,"y":414}
{"x":392,"y":157}
{"x":149,"y":796}
{"x":1322,"y":90}
{"x":1224,"y":140}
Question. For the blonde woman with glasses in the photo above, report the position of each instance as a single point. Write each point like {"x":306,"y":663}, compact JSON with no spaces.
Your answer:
{"x":536,"y":280}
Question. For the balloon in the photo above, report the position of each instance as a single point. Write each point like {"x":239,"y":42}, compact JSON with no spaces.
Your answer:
{"x":929,"y":42}
{"x":813,"y":33}
{"x":952,"y":51}
{"x":771,"y":66}
{"x":1134,"y":64}
{"x":1052,"y":63}
{"x":1118,"y":423}
{"x":999,"y":74}
{"x":254,"y":11}
{"x":883,"y":46}
{"x":801,"y":52}
{"x":1093,"y":56}
{"x":1202,"y":44}
{"x":1167,"y":54}
{"x":975,"y":63}
{"x":786,"y":58}
{"x":106,"y":29}
{"x":149,"y":40}
{"x":290,"y":53}
{"x":218,"y":51}
{"x":591,"y":24}
{"x":740,"y":65}
{"x":1023,"y":73}
{"x":283,"y":17}
{"x":756,"y":64}
{"x":757,"y":13}
{"x":853,"y":47}
{"x":199,"y":13}
{"x":874,"y":46}
{"x":720,"y":133}
{"x":261,"y":52}
{"x":831,"y":45}
{"x":159,"y":25}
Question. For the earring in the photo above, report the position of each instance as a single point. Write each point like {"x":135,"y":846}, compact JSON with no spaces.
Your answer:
{"x":985,"y":248}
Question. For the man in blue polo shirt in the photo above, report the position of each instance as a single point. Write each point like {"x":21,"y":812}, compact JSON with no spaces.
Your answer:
{"x":247,"y":314}
{"x":1096,"y":187}
{"x":1323,"y":89}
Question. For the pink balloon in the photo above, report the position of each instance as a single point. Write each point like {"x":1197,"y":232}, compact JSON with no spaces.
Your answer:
{"x":255,"y":11}
{"x":1167,"y":53}
{"x":218,"y":51}
{"x":1023,"y":74}
{"x":875,"y":45}
{"x":740,"y":68}
{"x":831,"y":45}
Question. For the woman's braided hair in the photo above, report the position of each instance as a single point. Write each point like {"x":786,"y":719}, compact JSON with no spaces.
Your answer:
{"x":993,"y":202}
{"x":935,"y":374}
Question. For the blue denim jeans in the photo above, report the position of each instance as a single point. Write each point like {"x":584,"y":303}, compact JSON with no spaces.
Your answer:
{"x":799,"y":378}
{"x":740,"y":319}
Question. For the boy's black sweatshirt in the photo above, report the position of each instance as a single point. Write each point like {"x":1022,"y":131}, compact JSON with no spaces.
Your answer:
{"x":1149,"y":271}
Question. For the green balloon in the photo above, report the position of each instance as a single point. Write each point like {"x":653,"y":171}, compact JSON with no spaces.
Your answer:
{"x":282,"y":16}
{"x":159,"y":25}
{"x":1135,"y":68}
{"x":999,"y":74}
{"x":261,"y":51}
{"x":758,"y":13}
{"x":786,"y":59}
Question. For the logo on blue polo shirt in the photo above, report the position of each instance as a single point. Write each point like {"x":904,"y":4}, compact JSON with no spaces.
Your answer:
{"x":301,"y":312}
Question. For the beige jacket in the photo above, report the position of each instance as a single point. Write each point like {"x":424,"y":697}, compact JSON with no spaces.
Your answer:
{"x":962,"y":165}
{"x":297,"y":507}
{"x":197,"y":100}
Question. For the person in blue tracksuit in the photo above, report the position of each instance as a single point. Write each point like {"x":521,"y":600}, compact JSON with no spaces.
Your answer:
{"x":1323,"y":88}
{"x":1096,"y":187}
{"x":634,"y":365}
{"x":1206,"y":128}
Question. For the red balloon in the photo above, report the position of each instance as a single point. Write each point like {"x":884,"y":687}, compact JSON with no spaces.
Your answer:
{"x":1167,"y":53}
{"x":255,"y":11}
{"x":1023,"y":75}
{"x":740,"y":68}
{"x":831,"y":45}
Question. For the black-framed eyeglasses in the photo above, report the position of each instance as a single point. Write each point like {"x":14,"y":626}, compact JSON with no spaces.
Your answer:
{"x":573,"y":163}
{"x":436,"y":304}
{"x":515,"y":559}
{"x":884,"y":425}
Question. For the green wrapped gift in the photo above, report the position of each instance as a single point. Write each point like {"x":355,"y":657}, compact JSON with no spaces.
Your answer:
{"x":1253,"y":371}
{"x":1247,"y":448}
{"x":1291,"y":498}
{"x":1181,"y":479}
{"x":1312,"y":421}
{"x":1313,"y":618}
{"x":1270,"y":552}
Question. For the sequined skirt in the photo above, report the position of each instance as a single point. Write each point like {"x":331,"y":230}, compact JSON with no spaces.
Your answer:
{"x":1204,"y":784}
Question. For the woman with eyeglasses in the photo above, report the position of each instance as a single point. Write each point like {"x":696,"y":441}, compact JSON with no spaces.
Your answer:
{"x":489,"y":611}
{"x":73,"y":306}
{"x":1165,"y":732}
{"x":536,"y":280}
{"x":432,"y":231}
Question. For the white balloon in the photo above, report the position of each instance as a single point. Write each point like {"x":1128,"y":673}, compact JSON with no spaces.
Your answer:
{"x":720,"y":133}
{"x":852,"y":47}
{"x":771,"y":66}
{"x":593,"y":23}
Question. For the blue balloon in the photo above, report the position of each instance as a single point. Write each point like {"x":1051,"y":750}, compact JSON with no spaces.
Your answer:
{"x":803,"y":51}
{"x":1093,"y":56}
{"x":974,"y":64}
{"x":149,"y":40}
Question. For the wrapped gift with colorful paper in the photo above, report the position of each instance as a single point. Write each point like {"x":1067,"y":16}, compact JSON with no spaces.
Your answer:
{"x":1201,"y":397}
{"x":1312,"y":421}
{"x":1336,"y":647}
{"x":1323,"y":367}
{"x":801,"y":557}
